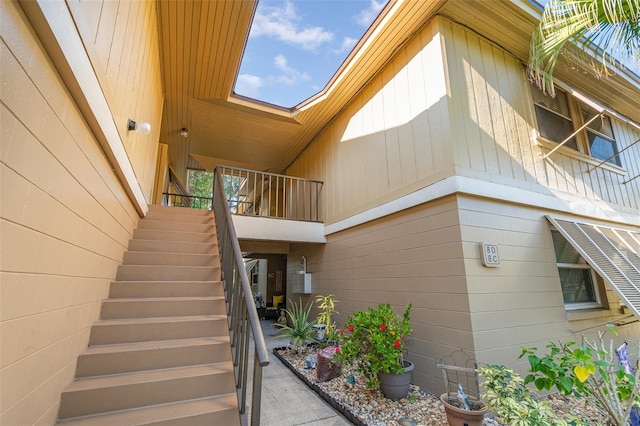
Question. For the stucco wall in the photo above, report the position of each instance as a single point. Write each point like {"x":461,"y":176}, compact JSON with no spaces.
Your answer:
{"x":65,"y":222}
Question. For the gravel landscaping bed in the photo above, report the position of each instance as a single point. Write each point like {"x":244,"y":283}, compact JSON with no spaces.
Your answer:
{"x":369,"y":407}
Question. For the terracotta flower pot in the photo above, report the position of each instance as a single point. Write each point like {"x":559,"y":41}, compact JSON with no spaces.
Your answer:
{"x":457,"y":416}
{"x":396,"y":386}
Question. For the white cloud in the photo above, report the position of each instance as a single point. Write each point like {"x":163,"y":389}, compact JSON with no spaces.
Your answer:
{"x":249,"y":85}
{"x":282,"y":23}
{"x":347,"y":45}
{"x":290,"y":76}
{"x":368,"y":15}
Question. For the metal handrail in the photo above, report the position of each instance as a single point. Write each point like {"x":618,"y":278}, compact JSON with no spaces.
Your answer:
{"x":254,"y":193}
{"x":242,"y":315}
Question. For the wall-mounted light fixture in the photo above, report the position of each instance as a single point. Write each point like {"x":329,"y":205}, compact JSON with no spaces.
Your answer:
{"x":142,"y":127}
{"x":184,"y":132}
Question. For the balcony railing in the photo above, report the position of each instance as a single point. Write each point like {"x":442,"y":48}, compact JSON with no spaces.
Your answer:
{"x":271,"y":195}
{"x":190,"y":201}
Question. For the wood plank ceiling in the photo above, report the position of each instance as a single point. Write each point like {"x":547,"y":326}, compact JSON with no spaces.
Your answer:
{"x":202,"y":43}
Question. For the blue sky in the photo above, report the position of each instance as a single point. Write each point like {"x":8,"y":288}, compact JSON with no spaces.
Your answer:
{"x":295,"y":46}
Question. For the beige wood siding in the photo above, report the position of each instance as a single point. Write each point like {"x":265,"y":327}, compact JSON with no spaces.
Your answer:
{"x":494,"y":124}
{"x":392,"y":139}
{"x":121,"y":39}
{"x":65,"y":221}
{"x":411,"y":257}
{"x":520,"y":302}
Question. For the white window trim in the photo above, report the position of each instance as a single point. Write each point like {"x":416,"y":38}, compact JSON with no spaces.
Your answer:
{"x":547,"y":144}
{"x":594,"y":282}
{"x":573,"y":100}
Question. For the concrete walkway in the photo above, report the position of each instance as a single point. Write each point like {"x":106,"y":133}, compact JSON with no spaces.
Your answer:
{"x":286,"y":400}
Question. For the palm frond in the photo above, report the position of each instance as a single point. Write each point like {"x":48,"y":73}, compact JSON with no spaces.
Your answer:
{"x":572,"y":28}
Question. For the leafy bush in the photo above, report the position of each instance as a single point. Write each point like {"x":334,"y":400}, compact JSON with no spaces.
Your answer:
{"x":588,"y":370}
{"x":507,"y":395}
{"x":374,"y":342}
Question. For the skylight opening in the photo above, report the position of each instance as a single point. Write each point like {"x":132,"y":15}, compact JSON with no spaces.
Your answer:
{"x":296,"y":46}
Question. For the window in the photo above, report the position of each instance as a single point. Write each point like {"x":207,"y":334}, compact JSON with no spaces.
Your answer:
{"x":561,"y":116}
{"x":578,"y":280}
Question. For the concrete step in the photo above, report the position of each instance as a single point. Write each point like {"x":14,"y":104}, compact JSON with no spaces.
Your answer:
{"x":106,"y":332}
{"x":167,"y":225}
{"x":176,"y":259}
{"x":131,"y":289}
{"x":198,"y":217}
{"x":161,"y":307}
{"x":164,"y":246}
{"x":167,"y":273}
{"x":153,"y":355}
{"x":187,"y":237}
{"x":95,"y":395}
{"x":177,"y":211}
{"x":218,"y":410}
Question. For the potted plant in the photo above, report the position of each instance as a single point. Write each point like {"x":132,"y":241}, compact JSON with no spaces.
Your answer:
{"x":298,"y":327}
{"x":327,"y":307}
{"x":373,"y":343}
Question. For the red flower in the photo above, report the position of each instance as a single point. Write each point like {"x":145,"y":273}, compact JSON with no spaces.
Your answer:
{"x":342,"y":331}
{"x":351,"y":328}
{"x":338,"y":349}
{"x":383,"y":327}
{"x":396,"y":344}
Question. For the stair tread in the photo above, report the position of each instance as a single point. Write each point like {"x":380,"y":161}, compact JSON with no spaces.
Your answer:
{"x":146,"y":415}
{"x":162,"y":299}
{"x":154,"y":344}
{"x":166,"y":282}
{"x":169,"y":253}
{"x":173,"y":319}
{"x":148,"y":376}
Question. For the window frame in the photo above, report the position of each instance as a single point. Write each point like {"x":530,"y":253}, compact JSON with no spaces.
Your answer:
{"x":576,"y":118}
{"x":598,"y":302}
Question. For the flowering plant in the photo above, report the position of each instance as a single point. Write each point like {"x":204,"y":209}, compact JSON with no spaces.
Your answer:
{"x":374,"y":342}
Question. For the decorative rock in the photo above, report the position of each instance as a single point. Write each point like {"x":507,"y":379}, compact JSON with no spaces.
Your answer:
{"x":310,"y":362}
{"x":370,"y":407}
{"x":351,"y":379}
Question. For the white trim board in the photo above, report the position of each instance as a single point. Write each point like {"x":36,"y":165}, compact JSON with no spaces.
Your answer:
{"x":559,"y":201}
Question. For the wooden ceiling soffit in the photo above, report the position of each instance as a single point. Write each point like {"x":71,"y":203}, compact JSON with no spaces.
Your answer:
{"x":209,"y":163}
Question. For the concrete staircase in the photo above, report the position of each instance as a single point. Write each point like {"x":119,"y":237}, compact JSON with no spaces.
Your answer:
{"x":160,"y":354}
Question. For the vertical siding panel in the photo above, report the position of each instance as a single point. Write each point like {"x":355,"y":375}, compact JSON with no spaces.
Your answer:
{"x":535,"y":166}
{"x":509,"y":97}
{"x":391,"y":130}
{"x":455,"y":51}
{"x":469,"y":113}
{"x":497,"y":135}
{"x":437,"y":117}
{"x":483,"y":113}
{"x":403,"y":119}
{"x":106,"y":31}
{"x":418,"y":108}
{"x":91,"y":10}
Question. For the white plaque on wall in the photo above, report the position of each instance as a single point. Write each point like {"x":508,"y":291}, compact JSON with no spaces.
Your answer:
{"x":490,"y":256}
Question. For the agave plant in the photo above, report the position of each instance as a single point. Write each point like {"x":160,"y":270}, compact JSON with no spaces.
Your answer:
{"x":298,"y":327}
